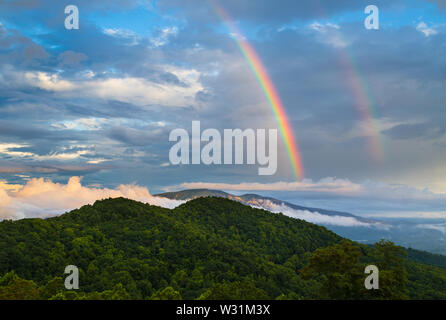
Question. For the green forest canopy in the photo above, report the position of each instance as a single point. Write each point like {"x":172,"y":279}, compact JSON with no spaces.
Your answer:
{"x":207,"y":248}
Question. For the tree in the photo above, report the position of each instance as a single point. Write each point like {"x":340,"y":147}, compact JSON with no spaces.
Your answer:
{"x":167,"y":293}
{"x":390,"y":259}
{"x":52,"y":288}
{"x":16,"y":288}
{"x":339,"y":269}
{"x":239,"y":290}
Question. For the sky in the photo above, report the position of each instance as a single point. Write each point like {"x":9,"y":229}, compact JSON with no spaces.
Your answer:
{"x":87,"y":113}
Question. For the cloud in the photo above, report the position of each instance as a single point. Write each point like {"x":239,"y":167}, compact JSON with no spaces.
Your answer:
{"x":69,"y":153}
{"x":12,"y":167}
{"x":26,"y":51}
{"x":163,"y":36}
{"x":328,"y":187}
{"x":138,"y":91}
{"x":266,"y":11}
{"x":71,"y":58}
{"x":365,"y":199}
{"x":49,"y":82}
{"x":135,"y":137}
{"x":43,"y":198}
{"x":129,"y":36}
{"x":415,"y":130}
{"x":329,"y":33}
{"x":422,"y":27}
{"x":90,"y":124}
{"x":399,"y":68}
{"x":313,"y":217}
{"x":10,"y":149}
{"x":331,"y":185}
{"x":439,"y":227}
{"x":80,"y":124}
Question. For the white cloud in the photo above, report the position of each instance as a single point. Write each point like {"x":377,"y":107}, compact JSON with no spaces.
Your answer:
{"x":139,"y":91}
{"x":329,"y":33}
{"x":439,"y":227}
{"x":422,"y":27}
{"x":67,"y":153}
{"x":331,"y":185}
{"x":49,"y":82}
{"x":97,"y":161}
{"x":129,"y":35}
{"x":313,"y":217}
{"x":323,"y":27}
{"x":10,"y":149}
{"x":163,"y":37}
{"x":80,"y":124}
{"x":42,"y":198}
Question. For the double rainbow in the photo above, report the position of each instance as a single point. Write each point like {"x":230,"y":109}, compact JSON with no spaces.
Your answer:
{"x":269,"y":90}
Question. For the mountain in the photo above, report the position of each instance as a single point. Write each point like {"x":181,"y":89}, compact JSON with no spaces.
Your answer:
{"x":422,"y":234}
{"x":205,"y":248}
{"x":255,"y":200}
{"x":194,"y":194}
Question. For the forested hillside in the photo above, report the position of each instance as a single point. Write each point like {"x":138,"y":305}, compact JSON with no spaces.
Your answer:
{"x":208,"y":248}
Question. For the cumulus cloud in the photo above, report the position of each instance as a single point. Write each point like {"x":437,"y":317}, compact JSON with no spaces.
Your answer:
{"x":43,"y":198}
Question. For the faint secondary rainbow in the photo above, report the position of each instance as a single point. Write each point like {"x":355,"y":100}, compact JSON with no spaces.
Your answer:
{"x":269,"y":90}
{"x":364,"y":104}
{"x":364,"y":101}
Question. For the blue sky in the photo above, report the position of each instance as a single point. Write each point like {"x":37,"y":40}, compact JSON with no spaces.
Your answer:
{"x":99,"y":102}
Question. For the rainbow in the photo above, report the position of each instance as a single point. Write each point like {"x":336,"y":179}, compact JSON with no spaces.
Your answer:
{"x":269,"y":90}
{"x":364,"y":101}
{"x":364,"y":104}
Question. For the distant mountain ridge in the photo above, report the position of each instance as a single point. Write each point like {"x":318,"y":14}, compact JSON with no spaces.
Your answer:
{"x":255,"y":200}
{"x":421,"y":235}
